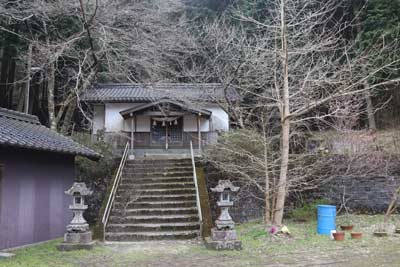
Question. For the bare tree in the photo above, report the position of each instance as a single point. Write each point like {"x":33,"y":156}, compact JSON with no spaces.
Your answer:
{"x":296,"y":62}
{"x":138,"y":41}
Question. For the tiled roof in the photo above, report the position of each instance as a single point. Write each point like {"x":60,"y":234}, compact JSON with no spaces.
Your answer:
{"x":122,"y":92}
{"x":25,"y":131}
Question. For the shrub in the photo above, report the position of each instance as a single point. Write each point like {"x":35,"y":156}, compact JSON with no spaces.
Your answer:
{"x":308,"y":211}
{"x":97,"y":176}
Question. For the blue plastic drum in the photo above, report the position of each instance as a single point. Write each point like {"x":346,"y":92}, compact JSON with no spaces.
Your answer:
{"x":326,"y":219}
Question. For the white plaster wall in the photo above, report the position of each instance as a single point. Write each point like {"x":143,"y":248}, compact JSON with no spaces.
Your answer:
{"x":219,"y":118}
{"x":98,"y":118}
{"x":114,"y":122}
{"x":190,"y":124}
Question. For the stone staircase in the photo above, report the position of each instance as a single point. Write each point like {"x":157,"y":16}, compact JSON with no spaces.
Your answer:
{"x":156,"y":200}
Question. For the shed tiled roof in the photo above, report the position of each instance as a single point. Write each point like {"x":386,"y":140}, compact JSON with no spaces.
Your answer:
{"x":122,"y":92}
{"x":25,"y":131}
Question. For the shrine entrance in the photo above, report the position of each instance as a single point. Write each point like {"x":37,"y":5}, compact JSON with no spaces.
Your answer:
{"x":167,"y":132}
{"x":165,"y":124}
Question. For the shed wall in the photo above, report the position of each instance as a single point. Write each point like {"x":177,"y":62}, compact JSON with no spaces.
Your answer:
{"x":33,"y":205}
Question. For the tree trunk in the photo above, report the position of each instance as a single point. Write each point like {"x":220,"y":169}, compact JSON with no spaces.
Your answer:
{"x":7,"y":73}
{"x":367,"y":94}
{"x":267,"y":214}
{"x":370,"y":107}
{"x":285,"y":124}
{"x":72,"y":106}
{"x":50,"y":96}
{"x":68,"y":117}
{"x":28,"y":81}
{"x":282,"y":184}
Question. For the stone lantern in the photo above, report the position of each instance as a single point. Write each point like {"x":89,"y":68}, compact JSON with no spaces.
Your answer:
{"x":78,"y":235}
{"x":223,"y":236}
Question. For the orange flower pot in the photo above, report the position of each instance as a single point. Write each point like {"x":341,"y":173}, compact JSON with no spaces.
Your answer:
{"x":356,"y":235}
{"x":339,"y":236}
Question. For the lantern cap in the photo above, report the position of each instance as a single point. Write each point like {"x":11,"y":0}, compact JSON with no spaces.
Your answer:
{"x":223,"y":185}
{"x":79,"y":188}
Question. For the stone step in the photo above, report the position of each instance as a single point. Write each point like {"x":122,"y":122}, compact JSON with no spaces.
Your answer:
{"x":176,"y":197}
{"x":121,"y":211}
{"x":138,"y":175}
{"x":159,"y":169}
{"x":164,"y":160}
{"x":159,"y":163}
{"x":148,"y":236}
{"x":157,"y":191}
{"x":151,"y":227}
{"x":140,"y":187}
{"x":154,"y":218}
{"x":146,"y":168}
{"x":156,"y":204}
{"x":133,"y":180}
{"x":156,"y":200}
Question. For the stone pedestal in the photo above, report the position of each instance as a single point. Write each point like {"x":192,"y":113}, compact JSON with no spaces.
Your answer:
{"x":78,"y":237}
{"x":223,"y":240}
{"x":74,"y":241}
{"x":223,"y":235}
{"x":223,"y":245}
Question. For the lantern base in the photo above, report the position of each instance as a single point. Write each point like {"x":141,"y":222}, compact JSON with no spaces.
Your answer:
{"x":223,"y":240}
{"x":223,"y":245}
{"x":75,"y":241}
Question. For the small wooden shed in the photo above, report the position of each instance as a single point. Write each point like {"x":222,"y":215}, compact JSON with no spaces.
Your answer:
{"x":36,"y":167}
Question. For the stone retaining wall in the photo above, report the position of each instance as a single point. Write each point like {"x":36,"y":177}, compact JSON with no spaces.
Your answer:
{"x":360,"y":194}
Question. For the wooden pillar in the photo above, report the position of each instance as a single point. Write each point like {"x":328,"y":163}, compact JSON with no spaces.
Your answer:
{"x":198,"y":131}
{"x":166,"y":135}
{"x":132,"y":133}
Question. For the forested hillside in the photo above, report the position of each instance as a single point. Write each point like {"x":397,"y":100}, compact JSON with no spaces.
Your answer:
{"x":300,"y":66}
{"x":68,"y":45}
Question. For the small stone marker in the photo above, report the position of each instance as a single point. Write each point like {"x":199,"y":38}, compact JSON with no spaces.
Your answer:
{"x":78,"y":235}
{"x":6,"y":255}
{"x":223,"y":236}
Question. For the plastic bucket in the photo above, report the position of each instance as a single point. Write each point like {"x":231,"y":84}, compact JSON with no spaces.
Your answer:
{"x":326,"y":219}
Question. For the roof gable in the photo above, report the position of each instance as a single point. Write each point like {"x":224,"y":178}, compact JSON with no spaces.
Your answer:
{"x":126,"y":113}
{"x":196,"y":92}
{"x":25,"y":131}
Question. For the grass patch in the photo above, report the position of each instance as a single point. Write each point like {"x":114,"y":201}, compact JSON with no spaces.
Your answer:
{"x":47,"y":255}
